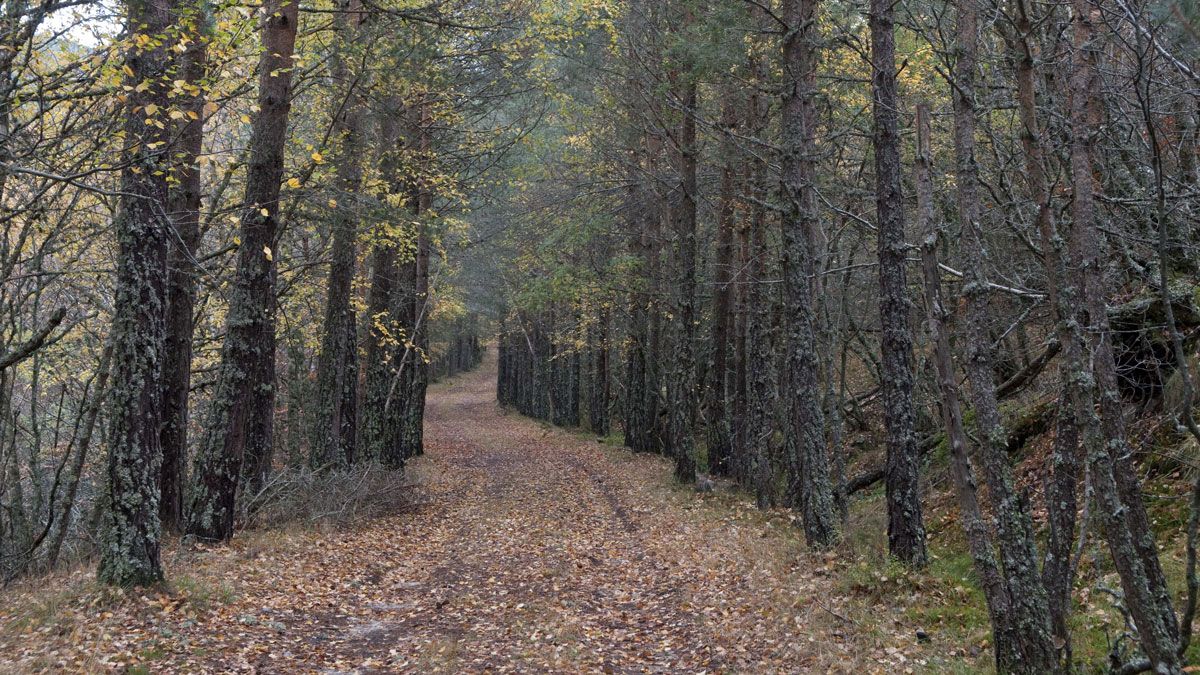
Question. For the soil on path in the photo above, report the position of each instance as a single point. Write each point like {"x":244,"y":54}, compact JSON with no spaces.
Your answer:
{"x":530,"y":549}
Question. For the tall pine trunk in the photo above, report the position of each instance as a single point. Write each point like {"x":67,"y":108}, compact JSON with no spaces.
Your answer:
{"x":239,"y":427}
{"x":717,"y":403}
{"x":979,"y":536}
{"x":1029,"y":649}
{"x":739,"y":457}
{"x":906,"y":529}
{"x":757,"y":470}
{"x":598,"y":393}
{"x":131,"y":532}
{"x":385,"y":321}
{"x":657,"y":306}
{"x":1121,"y":508}
{"x":183,"y":205}
{"x":637,"y":416}
{"x":809,"y":486}
{"x":682,"y":395}
{"x":412,"y":435}
{"x":1063,"y":476}
{"x":337,"y":368}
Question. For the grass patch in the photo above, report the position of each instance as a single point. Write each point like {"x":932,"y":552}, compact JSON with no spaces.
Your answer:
{"x":202,"y":594}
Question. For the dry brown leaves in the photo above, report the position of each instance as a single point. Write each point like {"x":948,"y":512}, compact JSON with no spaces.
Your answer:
{"x":531,"y":550}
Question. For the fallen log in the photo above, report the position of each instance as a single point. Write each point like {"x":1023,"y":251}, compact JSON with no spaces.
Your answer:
{"x":1032,"y":423}
{"x":1137,"y":347}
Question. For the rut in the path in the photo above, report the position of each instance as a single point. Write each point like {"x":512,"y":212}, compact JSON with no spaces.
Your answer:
{"x":531,"y":561}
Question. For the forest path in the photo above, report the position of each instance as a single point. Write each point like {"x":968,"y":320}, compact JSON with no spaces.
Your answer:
{"x":528,"y":549}
{"x":527,"y":556}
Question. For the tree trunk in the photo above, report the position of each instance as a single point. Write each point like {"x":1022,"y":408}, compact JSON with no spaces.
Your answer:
{"x":740,"y":455}
{"x":1028,"y":648}
{"x":183,"y":205}
{"x":757,"y":360}
{"x":636,"y":416}
{"x":337,"y":368}
{"x":809,"y":486}
{"x":1118,"y":488}
{"x":239,"y":426}
{"x":414,"y":444}
{"x":131,"y":529}
{"x":598,"y":400}
{"x":760,"y":418}
{"x":1063,"y":477}
{"x":386,"y":326}
{"x":979,"y":537}
{"x":717,"y":392}
{"x":906,"y":529}
{"x":682,"y":386}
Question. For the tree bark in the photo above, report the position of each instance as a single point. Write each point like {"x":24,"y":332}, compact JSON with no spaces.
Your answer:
{"x":682,"y":386}
{"x":1063,"y":477}
{"x":979,"y":538}
{"x":183,"y":205}
{"x":1025,"y":645}
{"x":239,"y":427}
{"x":809,"y":486}
{"x":337,"y":367}
{"x":719,"y":425}
{"x":413,"y":435}
{"x":1118,"y":489}
{"x":906,"y":529}
{"x":385,"y":328}
{"x":598,"y":418}
{"x":636,"y":415}
{"x":131,"y":529}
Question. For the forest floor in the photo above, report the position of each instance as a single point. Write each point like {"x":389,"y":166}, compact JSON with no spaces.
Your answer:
{"x":525,"y":549}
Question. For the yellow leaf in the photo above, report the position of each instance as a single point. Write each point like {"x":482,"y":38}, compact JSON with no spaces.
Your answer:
{"x":267,"y":252}
{"x":293,"y":182}
{"x":265,"y":213}
{"x":318,"y":158}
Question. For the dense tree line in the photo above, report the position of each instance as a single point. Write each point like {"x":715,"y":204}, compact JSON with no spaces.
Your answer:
{"x":797,"y":231}
{"x":231,"y":240}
